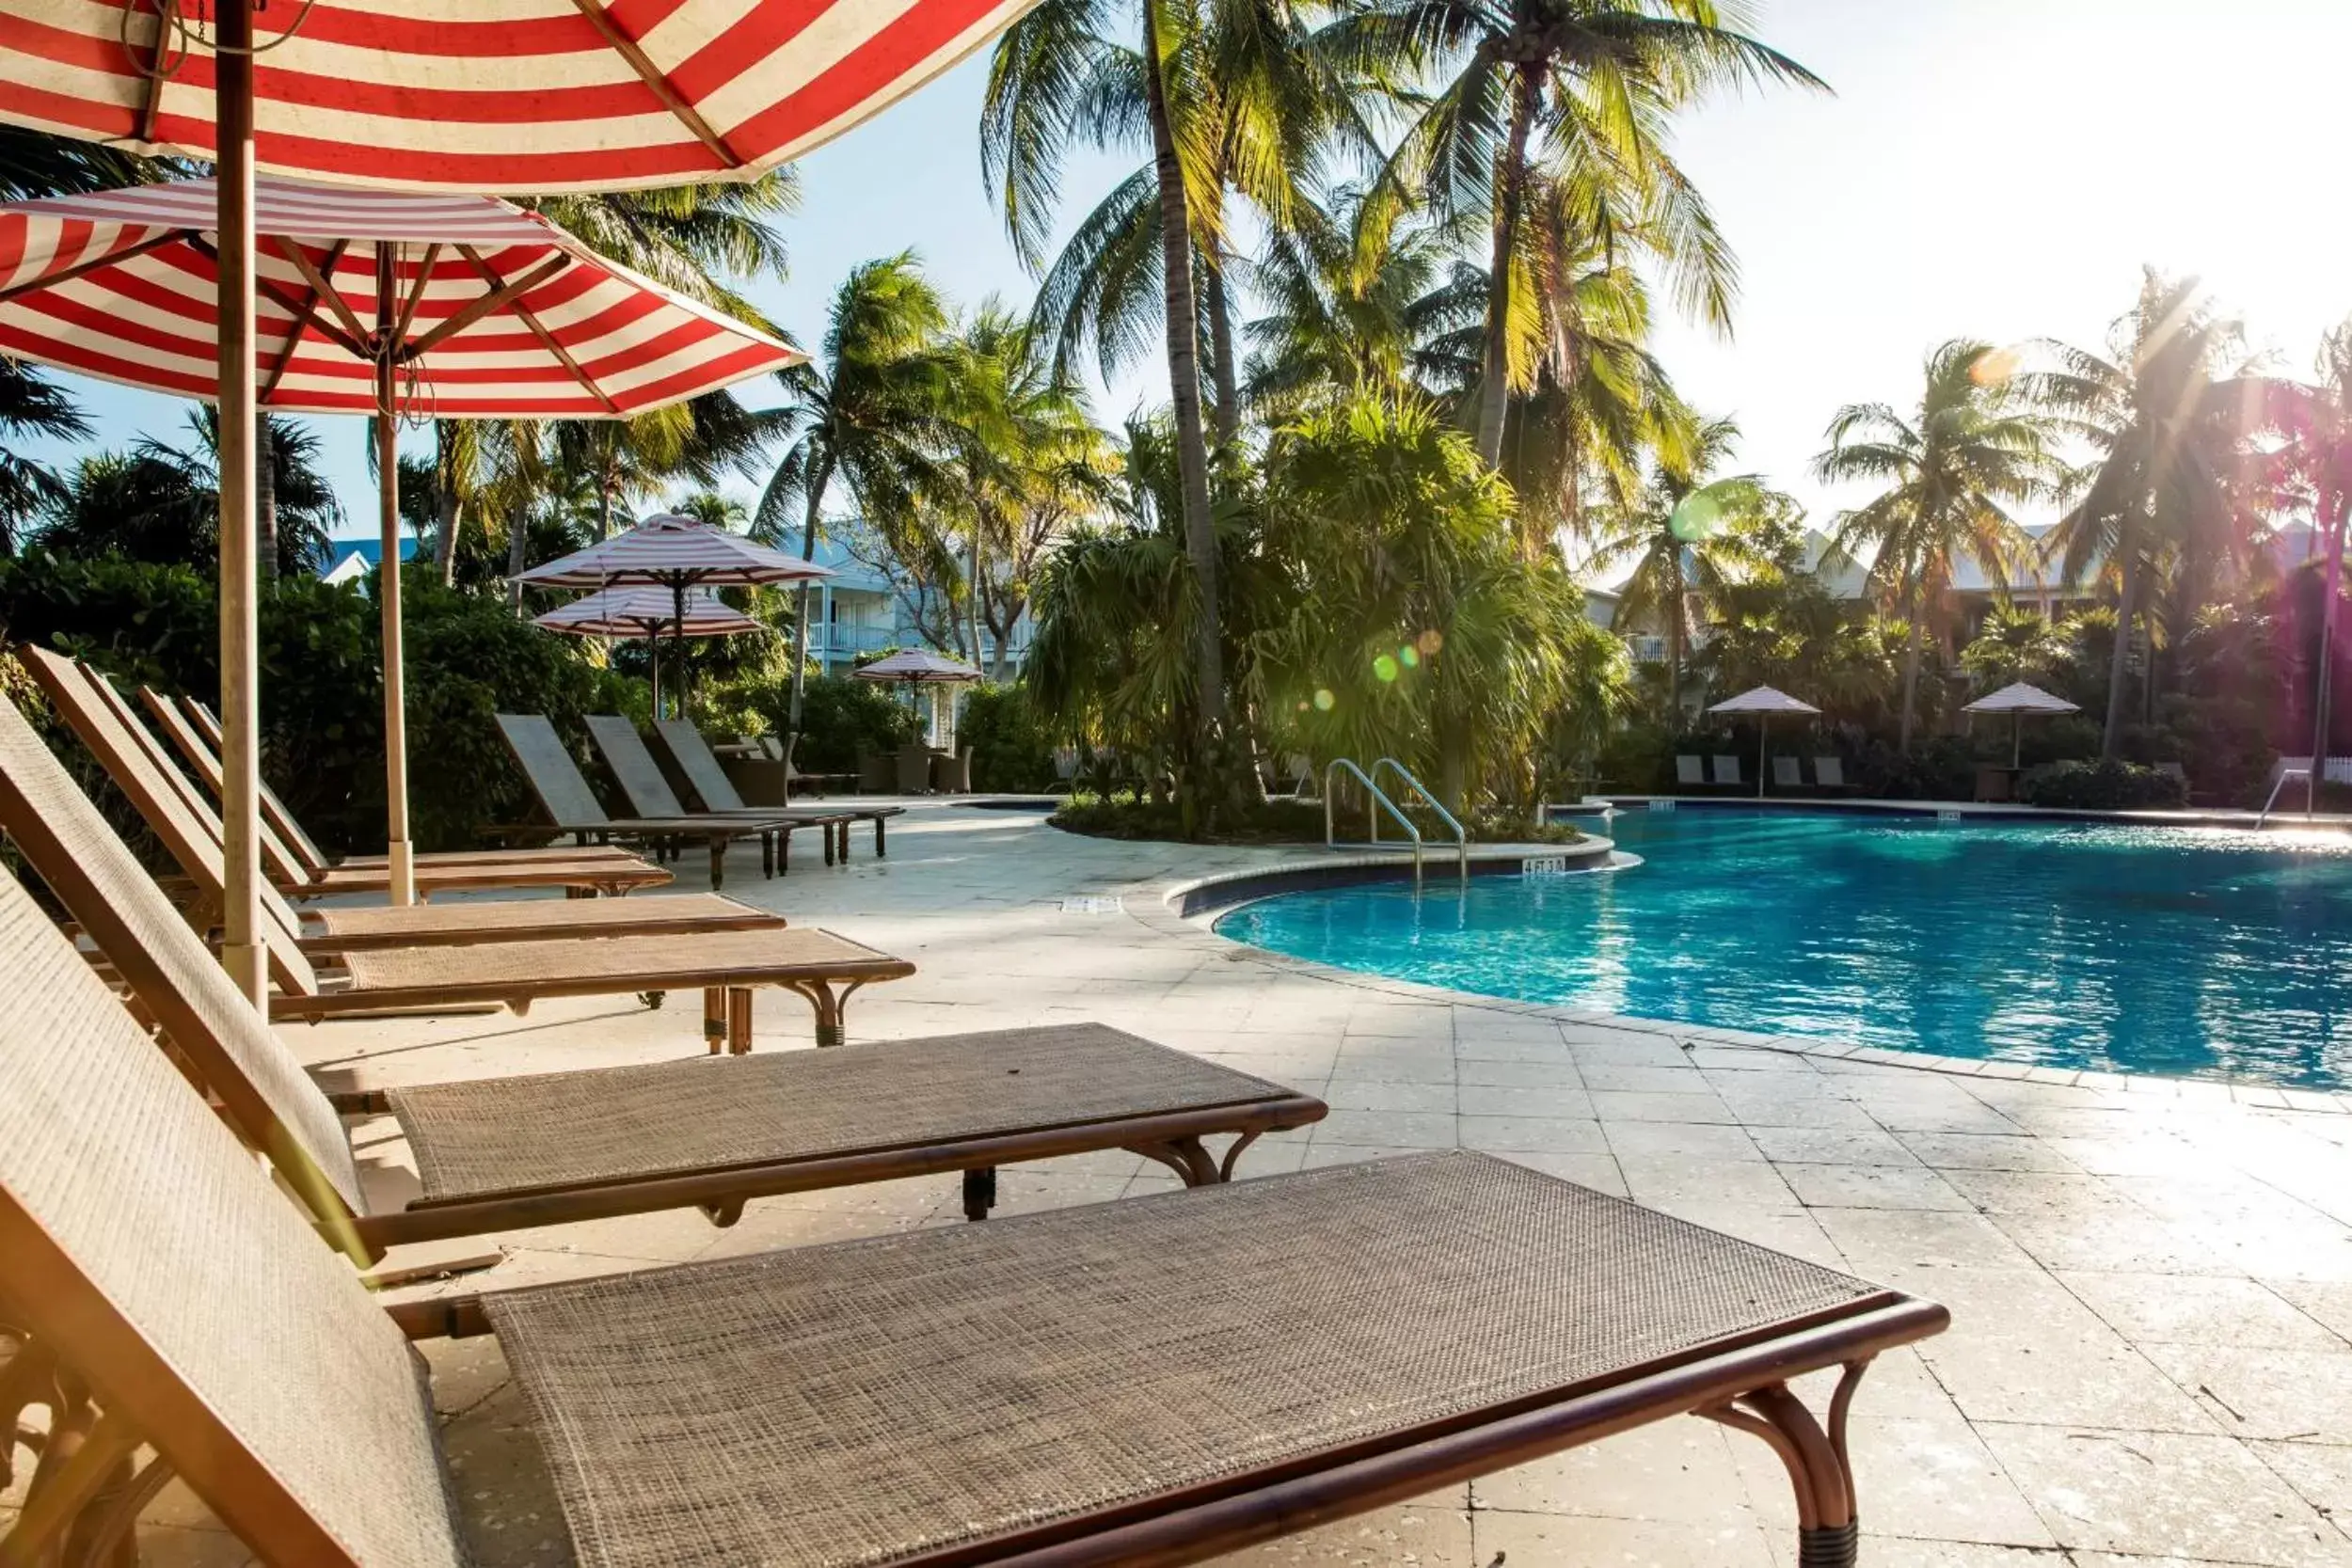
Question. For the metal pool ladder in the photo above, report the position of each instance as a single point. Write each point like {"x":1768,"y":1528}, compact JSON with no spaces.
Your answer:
{"x":2287,"y":775}
{"x":1379,"y":801}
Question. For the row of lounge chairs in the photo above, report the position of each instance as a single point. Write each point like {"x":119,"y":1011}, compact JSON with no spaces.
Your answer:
{"x":1152,"y":1381}
{"x":1788,"y":772}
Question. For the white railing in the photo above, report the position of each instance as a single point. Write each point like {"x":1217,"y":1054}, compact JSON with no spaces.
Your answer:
{"x":1461,"y":839}
{"x":2285,"y":776}
{"x":1377,"y":803}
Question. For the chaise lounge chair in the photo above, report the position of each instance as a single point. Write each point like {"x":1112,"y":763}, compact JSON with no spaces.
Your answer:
{"x":1145,"y":1382}
{"x":1727,"y":771}
{"x":505,"y":1153}
{"x":1829,"y":772}
{"x":1690,"y":773}
{"x":55,"y":824}
{"x":712,"y":786}
{"x":572,"y":806}
{"x":190,"y":828}
{"x":632,"y":763}
{"x":293,"y":861}
{"x":1788,"y":773}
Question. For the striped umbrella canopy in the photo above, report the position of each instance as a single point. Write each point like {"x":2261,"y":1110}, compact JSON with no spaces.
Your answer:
{"x":647,"y":611}
{"x":522,"y":95}
{"x":918,"y":667}
{"x":1762,"y":701}
{"x":678,"y":553}
{"x":2017,"y":699}
{"x":484,"y":311}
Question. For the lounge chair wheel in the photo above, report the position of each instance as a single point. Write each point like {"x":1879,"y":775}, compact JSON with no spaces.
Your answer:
{"x":979,"y":1191}
{"x":1830,"y":1546}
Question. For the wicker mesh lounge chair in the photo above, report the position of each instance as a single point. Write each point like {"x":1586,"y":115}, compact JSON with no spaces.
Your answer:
{"x":565,"y":794}
{"x":504,"y":1154}
{"x":717,"y":792}
{"x":194,"y":732}
{"x":55,"y":826}
{"x":190,"y":828}
{"x":1379,"y":1330}
{"x":650,"y":796}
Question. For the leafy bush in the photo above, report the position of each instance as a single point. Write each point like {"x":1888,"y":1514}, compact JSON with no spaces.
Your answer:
{"x":321,"y":688}
{"x":1937,"y":768}
{"x":841,"y":717}
{"x":1012,"y":748}
{"x":2099,"y":786}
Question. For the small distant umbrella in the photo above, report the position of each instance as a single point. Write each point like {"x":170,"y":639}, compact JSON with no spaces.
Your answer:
{"x":1763,"y":701}
{"x":919,"y":667}
{"x":648,"y":611}
{"x":2017,"y":701}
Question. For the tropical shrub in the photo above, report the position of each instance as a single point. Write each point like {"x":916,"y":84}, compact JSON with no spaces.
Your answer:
{"x":1012,"y":747}
{"x":2110,"y":785}
{"x":841,"y":717}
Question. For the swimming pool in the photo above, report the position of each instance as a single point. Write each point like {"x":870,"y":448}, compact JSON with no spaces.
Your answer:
{"x":2209,"y":951}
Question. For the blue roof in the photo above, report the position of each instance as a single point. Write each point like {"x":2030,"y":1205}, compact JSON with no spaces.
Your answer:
{"x":350,"y":557}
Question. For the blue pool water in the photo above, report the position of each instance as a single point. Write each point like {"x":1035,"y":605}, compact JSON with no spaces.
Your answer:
{"x":2209,"y":951}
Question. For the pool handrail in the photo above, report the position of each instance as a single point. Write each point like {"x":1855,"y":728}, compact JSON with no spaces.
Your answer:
{"x":2287,"y":775}
{"x":1372,"y":811}
{"x":1461,"y":839}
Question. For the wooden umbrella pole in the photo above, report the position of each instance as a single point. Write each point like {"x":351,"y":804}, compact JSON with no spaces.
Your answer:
{"x":400,"y":853}
{"x":242,"y":953}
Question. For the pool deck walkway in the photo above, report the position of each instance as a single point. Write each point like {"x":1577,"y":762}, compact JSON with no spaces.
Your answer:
{"x":2150,"y":1362}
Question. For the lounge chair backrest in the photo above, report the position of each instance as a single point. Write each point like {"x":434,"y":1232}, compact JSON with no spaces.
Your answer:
{"x":262,"y":1087}
{"x":194,"y":734}
{"x":1727,"y":770}
{"x":1789,"y":772}
{"x":149,"y":1252}
{"x":1688,"y":770}
{"x":641,"y":780}
{"x":700,"y":765}
{"x":1829,"y":772}
{"x":188,"y":826}
{"x":546,"y":763}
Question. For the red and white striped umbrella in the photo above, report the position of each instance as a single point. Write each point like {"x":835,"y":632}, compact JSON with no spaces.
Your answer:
{"x":496,"y":312}
{"x":508,"y":95}
{"x":646,"y":610}
{"x":677,"y":553}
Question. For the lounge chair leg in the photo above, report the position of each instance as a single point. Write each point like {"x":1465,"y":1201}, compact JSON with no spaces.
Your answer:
{"x":881,"y":850}
{"x":784,"y":854}
{"x":979,"y":1191}
{"x":717,"y":863}
{"x":828,"y":1005}
{"x":715,"y":1019}
{"x":1828,"y":1533}
{"x":1185,"y":1157}
{"x":825,"y":831}
{"x":739,"y":1005}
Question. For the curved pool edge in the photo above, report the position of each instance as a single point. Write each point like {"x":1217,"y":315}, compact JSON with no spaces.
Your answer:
{"x":1221,"y":892}
{"x":1194,"y":904}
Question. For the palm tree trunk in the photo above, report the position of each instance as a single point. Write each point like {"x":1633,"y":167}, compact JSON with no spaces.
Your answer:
{"x":265,"y":497}
{"x":1911,"y":663}
{"x":1221,"y":367}
{"x":1494,"y":392}
{"x":817,"y":484}
{"x":2127,"y":543}
{"x":518,"y":556}
{"x":1183,"y":375}
{"x":2333,"y":518}
{"x":1674,"y":634}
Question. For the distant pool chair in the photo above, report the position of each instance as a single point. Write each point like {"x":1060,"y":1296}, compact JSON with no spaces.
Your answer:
{"x":1829,"y":772}
{"x":1689,"y":771}
{"x":1788,"y":773}
{"x":915,"y":769}
{"x":1727,"y":771}
{"x":953,"y":772}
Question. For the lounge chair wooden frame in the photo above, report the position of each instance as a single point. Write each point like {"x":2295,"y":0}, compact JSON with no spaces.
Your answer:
{"x":55,"y":824}
{"x":573,"y":808}
{"x":139,"y":1231}
{"x":293,"y":856}
{"x":632,"y":763}
{"x":717,"y":792}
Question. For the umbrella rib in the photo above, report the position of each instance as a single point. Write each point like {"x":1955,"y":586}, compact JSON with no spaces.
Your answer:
{"x":538,"y":330}
{"x":415,"y":295}
{"x":475,"y":309}
{"x":51,"y":279}
{"x":301,"y":322}
{"x":327,"y":291}
{"x":686,"y":113}
{"x":355,"y":347}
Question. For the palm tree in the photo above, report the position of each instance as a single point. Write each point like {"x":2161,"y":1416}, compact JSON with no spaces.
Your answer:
{"x":1976,"y":445}
{"x":2162,"y":411}
{"x":1579,"y":92}
{"x":698,"y":239}
{"x":34,"y":164}
{"x":1343,"y":289}
{"x":31,"y":405}
{"x":161,"y":503}
{"x":1691,"y":536}
{"x":871,"y":411}
{"x":2315,"y":468}
{"x":1226,"y":94}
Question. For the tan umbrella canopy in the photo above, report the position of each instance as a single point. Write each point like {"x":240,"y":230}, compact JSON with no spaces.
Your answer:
{"x":917,"y":666}
{"x":648,"y":611}
{"x":544,"y":96}
{"x":387,"y":303}
{"x":1763,"y":700}
{"x":2017,"y":701}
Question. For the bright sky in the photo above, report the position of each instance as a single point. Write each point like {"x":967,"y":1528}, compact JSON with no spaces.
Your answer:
{"x":1998,"y":169}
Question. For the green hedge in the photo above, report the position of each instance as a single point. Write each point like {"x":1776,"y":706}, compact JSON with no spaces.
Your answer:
{"x":322,"y":690}
{"x":1012,"y":748}
{"x":2101,"y":786}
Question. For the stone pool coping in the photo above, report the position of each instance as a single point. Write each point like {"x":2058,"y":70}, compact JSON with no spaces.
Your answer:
{"x":1990,"y":811}
{"x":1190,"y":906}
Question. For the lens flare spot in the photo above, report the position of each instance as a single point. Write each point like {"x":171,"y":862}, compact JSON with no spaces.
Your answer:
{"x":1429,"y":642}
{"x":1385,"y":667}
{"x":1408,"y":656}
{"x":1993,"y":367}
{"x":1324,"y":702}
{"x":1696,"y":517}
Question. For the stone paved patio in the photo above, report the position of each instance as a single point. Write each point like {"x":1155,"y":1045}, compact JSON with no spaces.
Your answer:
{"x":2150,"y":1362}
